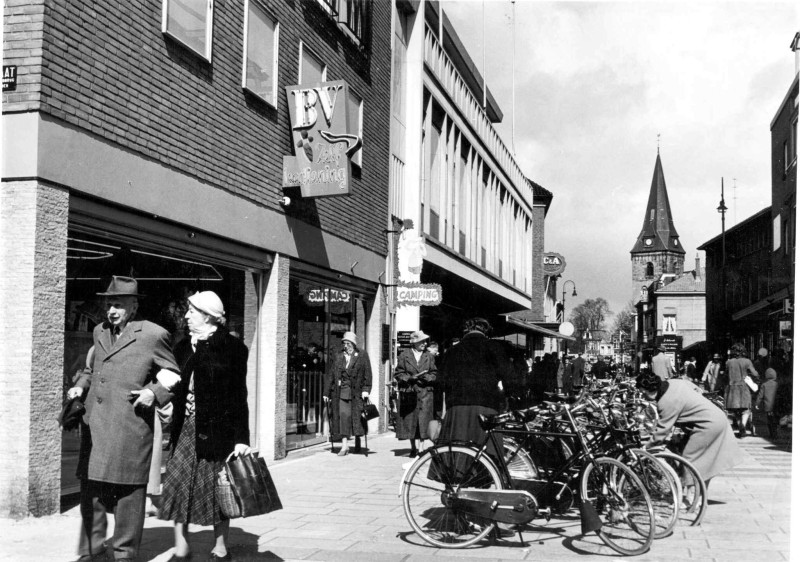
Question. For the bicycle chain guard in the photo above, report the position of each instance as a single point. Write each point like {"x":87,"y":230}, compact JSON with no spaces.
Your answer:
{"x":503,"y":506}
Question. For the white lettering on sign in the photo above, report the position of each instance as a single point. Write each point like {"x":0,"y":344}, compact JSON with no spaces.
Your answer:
{"x":328,"y":295}
{"x":305,"y":105}
{"x":551,"y":260}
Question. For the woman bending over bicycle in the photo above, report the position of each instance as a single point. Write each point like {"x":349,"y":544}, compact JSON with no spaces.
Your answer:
{"x":710,"y":444}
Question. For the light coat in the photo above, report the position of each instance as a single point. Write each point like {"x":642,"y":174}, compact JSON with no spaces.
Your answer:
{"x":737,"y":393}
{"x":416,"y":398}
{"x":662,"y":367}
{"x":711,"y":376}
{"x":711,"y":446}
{"x":121,"y":436}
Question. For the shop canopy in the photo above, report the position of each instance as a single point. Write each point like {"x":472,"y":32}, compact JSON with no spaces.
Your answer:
{"x":514,"y":325}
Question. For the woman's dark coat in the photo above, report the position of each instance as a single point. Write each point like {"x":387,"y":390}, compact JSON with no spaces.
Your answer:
{"x":360,"y":374}
{"x":416,"y":398}
{"x":220,"y":387}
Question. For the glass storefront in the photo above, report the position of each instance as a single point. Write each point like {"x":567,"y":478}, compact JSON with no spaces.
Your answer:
{"x":319,"y":315}
{"x":166,"y":279}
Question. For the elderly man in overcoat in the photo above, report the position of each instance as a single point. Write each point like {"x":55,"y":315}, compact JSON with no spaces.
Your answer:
{"x":131,"y":373}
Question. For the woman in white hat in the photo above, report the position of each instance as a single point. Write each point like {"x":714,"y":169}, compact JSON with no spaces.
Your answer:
{"x":210,"y":422}
{"x":415,"y":375}
{"x":347,"y":384}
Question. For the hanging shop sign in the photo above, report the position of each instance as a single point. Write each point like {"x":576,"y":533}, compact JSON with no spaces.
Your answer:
{"x":553,"y":264}
{"x":322,"y":139}
{"x":419,"y":294}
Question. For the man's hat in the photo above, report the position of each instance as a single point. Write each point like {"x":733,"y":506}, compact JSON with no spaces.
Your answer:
{"x":122,"y":287}
{"x":717,"y":356}
{"x":417,"y":337}
{"x":661,"y":347}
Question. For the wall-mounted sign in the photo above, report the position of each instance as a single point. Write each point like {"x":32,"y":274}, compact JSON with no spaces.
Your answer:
{"x":322,"y":295}
{"x":9,"y":78}
{"x":322,"y":141}
{"x":404,"y":339}
{"x":418,"y":294}
{"x":553,"y":264}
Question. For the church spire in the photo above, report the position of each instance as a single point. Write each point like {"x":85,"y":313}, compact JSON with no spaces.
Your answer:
{"x":658,"y":232}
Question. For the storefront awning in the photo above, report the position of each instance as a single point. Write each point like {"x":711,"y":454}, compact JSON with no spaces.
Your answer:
{"x":530,"y":327}
{"x":763,"y":303}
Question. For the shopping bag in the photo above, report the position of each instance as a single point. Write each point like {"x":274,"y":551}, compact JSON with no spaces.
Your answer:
{"x":252,"y":484}
{"x":370,"y":411}
{"x":226,"y":498}
{"x":750,"y":383}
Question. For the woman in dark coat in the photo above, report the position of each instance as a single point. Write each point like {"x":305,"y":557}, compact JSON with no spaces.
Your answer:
{"x":210,"y":423}
{"x":737,"y":393}
{"x":347,"y":384}
{"x":473,"y":375}
{"x":415,"y":375}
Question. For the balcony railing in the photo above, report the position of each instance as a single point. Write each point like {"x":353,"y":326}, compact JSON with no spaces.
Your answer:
{"x":448,"y":77}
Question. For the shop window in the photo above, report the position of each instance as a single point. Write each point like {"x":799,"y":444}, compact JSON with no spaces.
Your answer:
{"x":312,"y":70}
{"x":166,"y":280}
{"x":189,"y":22}
{"x":319,"y":315}
{"x":260,"y":66}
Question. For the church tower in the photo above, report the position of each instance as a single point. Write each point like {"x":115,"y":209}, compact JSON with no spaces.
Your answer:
{"x":657,"y":249}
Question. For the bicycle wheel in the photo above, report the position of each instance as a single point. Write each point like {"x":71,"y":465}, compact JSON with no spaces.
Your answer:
{"x":429,"y":488}
{"x":622,"y":503}
{"x":518,"y":460}
{"x":693,"y":488}
{"x":663,"y":485}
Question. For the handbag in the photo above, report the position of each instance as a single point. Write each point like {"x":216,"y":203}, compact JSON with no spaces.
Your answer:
{"x":252,"y":485}
{"x":226,"y":498}
{"x":370,"y":411}
{"x":750,"y":383}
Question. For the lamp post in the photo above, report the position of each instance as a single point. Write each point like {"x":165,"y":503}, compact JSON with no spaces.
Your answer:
{"x":564,"y":304}
{"x":721,"y":210}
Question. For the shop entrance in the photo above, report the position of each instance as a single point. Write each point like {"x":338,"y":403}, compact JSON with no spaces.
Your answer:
{"x":319,"y":315}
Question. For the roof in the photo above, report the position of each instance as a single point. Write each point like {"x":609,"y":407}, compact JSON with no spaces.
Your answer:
{"x":541,"y":195}
{"x":658,"y":224}
{"x":687,"y":282}
{"x":736,"y":227}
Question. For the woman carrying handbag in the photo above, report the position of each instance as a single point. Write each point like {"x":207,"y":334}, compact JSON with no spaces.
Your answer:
{"x":210,"y":424}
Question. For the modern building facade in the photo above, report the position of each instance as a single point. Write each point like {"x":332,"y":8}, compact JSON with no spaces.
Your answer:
{"x":149,"y":139}
{"x":455,"y":185}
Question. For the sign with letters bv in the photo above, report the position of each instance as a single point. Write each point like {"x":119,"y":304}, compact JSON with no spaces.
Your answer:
{"x":322,"y":142}
{"x":553,"y":264}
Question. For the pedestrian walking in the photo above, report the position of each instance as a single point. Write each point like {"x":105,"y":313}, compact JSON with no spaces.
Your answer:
{"x":578,"y":370}
{"x":711,"y":374}
{"x":765,"y":400}
{"x":690,"y":371}
{"x":347,"y":384}
{"x":132,"y":369}
{"x":710,"y":445}
{"x":473,"y":375}
{"x":210,"y":423}
{"x":415,"y":374}
{"x":737,"y":394}
{"x":661,"y":364}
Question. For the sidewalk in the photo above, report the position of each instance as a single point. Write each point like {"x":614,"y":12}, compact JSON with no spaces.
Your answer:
{"x":348,"y":509}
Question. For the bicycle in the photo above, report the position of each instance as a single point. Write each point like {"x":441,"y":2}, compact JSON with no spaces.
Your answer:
{"x":455,"y":494}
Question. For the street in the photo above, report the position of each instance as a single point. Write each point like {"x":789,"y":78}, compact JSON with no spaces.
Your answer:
{"x":348,"y":509}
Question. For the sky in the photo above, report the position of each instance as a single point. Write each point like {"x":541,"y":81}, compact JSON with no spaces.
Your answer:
{"x":594,"y":85}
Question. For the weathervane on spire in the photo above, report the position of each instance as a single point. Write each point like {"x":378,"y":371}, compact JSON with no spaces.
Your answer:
{"x":658,"y":143}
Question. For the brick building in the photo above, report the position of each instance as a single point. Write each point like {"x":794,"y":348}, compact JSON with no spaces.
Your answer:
{"x":148,"y":138}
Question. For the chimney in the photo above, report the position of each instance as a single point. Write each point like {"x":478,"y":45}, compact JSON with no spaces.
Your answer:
{"x":697,"y":263}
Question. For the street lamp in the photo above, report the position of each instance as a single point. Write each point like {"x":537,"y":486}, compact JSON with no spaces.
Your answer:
{"x":721,"y":210}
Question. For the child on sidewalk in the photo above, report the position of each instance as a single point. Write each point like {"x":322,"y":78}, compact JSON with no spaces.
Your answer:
{"x":766,"y":400}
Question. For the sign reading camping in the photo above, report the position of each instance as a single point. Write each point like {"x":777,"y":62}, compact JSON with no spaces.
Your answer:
{"x":419,"y":294}
{"x":323,"y":142}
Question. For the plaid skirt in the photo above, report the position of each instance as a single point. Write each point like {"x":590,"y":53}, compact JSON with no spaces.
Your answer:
{"x":188,"y":490}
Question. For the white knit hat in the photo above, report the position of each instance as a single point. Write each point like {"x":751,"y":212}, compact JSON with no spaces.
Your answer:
{"x":208,"y":302}
{"x":351,"y":337}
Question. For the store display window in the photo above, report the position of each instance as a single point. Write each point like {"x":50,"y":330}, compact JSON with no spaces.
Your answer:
{"x":319,"y":315}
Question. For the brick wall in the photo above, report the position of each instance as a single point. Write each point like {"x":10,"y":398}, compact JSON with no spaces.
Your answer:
{"x":537,"y":275}
{"x":33,"y":225}
{"x":106,"y":67}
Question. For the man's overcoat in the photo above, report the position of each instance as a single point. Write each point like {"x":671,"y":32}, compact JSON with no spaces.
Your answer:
{"x":121,"y":436}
